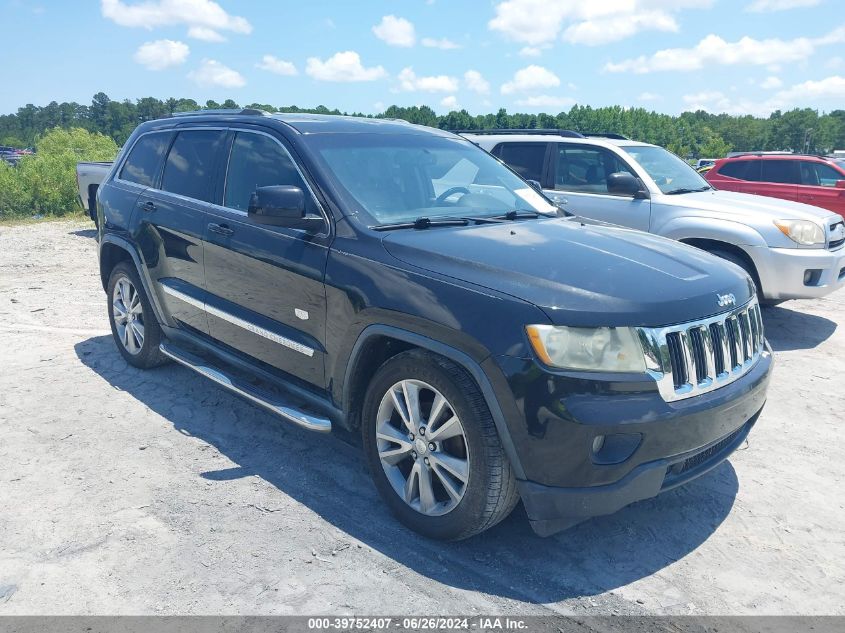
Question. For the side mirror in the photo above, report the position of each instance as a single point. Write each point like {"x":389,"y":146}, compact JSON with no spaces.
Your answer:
{"x":535,"y":185}
{"x":840,"y":184}
{"x":281,"y":205}
{"x":624,"y":184}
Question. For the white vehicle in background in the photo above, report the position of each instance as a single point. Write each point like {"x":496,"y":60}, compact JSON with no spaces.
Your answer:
{"x":88,"y":179}
{"x":790,"y":250}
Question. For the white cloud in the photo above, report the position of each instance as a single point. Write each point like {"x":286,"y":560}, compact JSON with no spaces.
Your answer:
{"x":761,"y":6}
{"x":161,"y":54}
{"x":536,"y":22}
{"x":530,"y":51}
{"x":395,"y":31}
{"x":277,"y":66}
{"x":476,"y":82}
{"x":811,"y":92}
{"x":714,"y":50}
{"x":807,"y":94}
{"x":195,"y":14}
{"x":546,"y":101}
{"x":410,"y":82}
{"x":615,"y":28}
{"x":450,"y":102}
{"x":344,"y":66}
{"x":771,"y":83}
{"x":443,"y":43}
{"x":649,"y":96}
{"x":205,"y":34}
{"x":213,"y":73}
{"x":529,"y":78}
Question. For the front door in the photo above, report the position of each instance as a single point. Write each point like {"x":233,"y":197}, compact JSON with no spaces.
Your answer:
{"x":266,"y":296}
{"x":580,"y":185}
{"x":818,"y":187}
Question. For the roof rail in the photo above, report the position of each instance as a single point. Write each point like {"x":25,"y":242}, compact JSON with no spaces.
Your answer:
{"x":554,"y":132}
{"x":613,"y":135}
{"x":241,"y":111}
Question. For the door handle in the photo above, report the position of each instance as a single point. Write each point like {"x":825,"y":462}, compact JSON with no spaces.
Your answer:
{"x":221,"y":229}
{"x":149,"y":206}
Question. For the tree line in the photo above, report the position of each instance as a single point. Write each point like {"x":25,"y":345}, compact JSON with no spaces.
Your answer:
{"x":691,"y":134}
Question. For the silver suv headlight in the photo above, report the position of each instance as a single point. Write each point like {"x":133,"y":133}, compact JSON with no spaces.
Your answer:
{"x":610,"y":349}
{"x":804,"y":232}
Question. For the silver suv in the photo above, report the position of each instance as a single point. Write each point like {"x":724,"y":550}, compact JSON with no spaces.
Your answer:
{"x":791,"y":250}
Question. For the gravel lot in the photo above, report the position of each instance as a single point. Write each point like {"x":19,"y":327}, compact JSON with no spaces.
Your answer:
{"x":129,"y":492}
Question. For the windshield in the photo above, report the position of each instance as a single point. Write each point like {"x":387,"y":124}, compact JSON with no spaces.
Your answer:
{"x":669,"y":172}
{"x":400,"y":178}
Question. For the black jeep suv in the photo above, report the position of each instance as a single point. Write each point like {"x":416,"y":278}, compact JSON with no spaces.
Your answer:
{"x":397,"y":279}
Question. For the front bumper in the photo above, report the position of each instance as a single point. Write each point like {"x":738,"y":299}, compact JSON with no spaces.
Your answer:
{"x":649,"y":445}
{"x":782,"y":272}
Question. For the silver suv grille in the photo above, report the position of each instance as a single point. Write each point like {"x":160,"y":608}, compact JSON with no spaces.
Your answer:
{"x":694,"y":358}
{"x":835,"y":240}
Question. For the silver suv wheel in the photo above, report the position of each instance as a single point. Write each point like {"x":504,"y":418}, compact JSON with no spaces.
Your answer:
{"x":422,"y":447}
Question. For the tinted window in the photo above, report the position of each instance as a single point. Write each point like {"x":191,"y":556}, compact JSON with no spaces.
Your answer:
{"x":742,"y":169}
{"x":819,"y":175}
{"x":189,"y":170}
{"x":526,"y":159}
{"x":586,"y":169}
{"x":258,"y":161}
{"x":145,"y":159}
{"x":781,"y":171}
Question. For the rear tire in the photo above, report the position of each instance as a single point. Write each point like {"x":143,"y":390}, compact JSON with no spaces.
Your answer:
{"x":438,"y":463}
{"x":134,"y":327}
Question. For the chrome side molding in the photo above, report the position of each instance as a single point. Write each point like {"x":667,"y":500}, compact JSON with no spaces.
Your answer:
{"x":274,"y":404}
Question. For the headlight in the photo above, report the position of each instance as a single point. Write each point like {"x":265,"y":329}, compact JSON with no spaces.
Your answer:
{"x":802,"y":232}
{"x":589,"y":349}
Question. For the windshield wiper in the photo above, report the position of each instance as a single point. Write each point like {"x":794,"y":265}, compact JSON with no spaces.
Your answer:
{"x":674,"y":192}
{"x":517,"y":214}
{"x":421,"y":223}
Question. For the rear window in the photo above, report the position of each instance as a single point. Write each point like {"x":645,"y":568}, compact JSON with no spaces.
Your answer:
{"x":742,"y":170}
{"x":144,"y":160}
{"x":781,"y":171}
{"x":526,"y":159}
{"x":189,"y":170}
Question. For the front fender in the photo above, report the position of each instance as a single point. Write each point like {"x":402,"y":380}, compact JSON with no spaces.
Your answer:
{"x":719,"y":230}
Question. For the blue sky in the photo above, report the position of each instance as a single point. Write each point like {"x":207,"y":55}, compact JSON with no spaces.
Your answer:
{"x":736,"y":56}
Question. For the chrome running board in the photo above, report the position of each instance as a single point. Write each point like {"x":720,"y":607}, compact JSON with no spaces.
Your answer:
{"x":273,"y":403}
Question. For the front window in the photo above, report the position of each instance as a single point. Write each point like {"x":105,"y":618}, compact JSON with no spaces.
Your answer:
{"x":400,"y":178}
{"x":670,"y":173}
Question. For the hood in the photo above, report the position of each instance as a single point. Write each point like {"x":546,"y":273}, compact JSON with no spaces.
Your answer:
{"x":730,"y":203}
{"x":579,"y":275}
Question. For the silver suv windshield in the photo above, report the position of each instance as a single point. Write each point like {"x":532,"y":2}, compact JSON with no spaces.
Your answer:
{"x":671,"y":174}
{"x":401,"y":178}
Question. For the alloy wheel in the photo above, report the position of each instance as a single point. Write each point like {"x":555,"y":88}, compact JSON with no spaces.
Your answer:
{"x":422,"y":447}
{"x":128,"y":315}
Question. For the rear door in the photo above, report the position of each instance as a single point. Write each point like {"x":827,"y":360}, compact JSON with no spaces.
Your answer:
{"x":266,"y":296}
{"x":173,"y":221}
{"x":579,"y":181}
{"x":779,"y":179}
{"x":818,"y":186}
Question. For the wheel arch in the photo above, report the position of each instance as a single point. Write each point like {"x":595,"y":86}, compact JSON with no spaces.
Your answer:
{"x":377,"y":343}
{"x":115,"y":249}
{"x":710,"y":245}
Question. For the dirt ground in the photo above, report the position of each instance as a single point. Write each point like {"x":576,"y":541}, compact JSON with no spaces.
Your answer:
{"x":130,"y":492}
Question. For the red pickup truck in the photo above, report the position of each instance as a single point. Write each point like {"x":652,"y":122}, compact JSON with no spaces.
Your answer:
{"x":808,"y":179}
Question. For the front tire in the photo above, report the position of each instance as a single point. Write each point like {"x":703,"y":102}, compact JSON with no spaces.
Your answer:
{"x":433,"y":449}
{"x":136,"y":332}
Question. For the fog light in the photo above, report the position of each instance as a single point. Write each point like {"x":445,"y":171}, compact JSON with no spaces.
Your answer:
{"x":598,"y":443}
{"x":812,"y":276}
